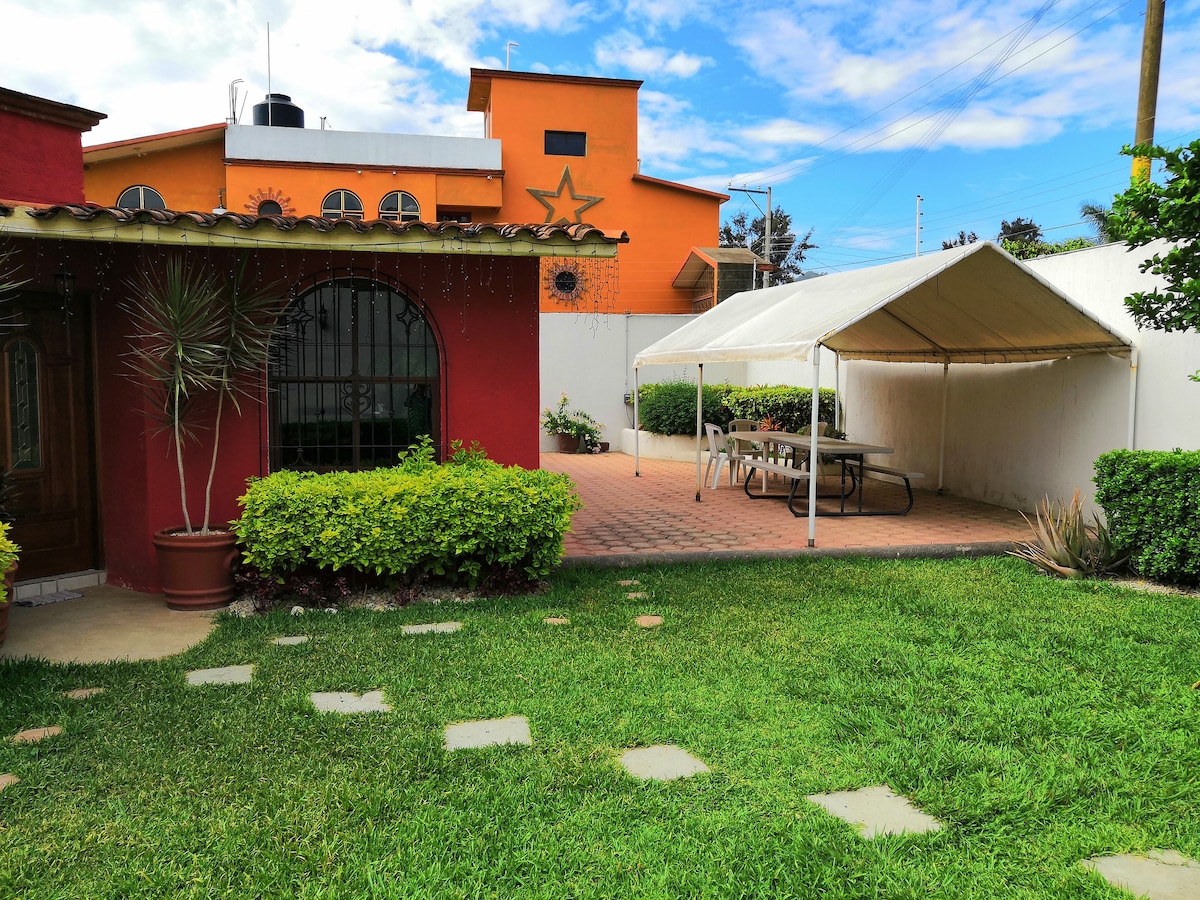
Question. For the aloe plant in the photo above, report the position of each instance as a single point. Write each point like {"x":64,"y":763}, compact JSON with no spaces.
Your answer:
{"x":195,"y":334}
{"x":1065,"y":545}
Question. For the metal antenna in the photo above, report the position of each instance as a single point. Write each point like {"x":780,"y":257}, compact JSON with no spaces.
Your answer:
{"x":508,"y":54}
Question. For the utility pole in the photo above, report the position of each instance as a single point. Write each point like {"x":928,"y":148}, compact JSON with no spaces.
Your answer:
{"x":1143,"y":132}
{"x":766,"y":222}
{"x":919,"y":199}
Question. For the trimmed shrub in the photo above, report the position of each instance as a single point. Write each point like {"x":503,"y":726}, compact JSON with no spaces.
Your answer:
{"x":670,"y":406}
{"x":466,"y":520}
{"x":1152,"y":501}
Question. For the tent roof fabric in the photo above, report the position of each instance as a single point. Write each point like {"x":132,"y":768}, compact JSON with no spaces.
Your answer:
{"x":968,"y":304}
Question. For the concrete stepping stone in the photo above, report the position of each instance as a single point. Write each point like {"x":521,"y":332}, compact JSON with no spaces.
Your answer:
{"x":1160,"y":875}
{"x":7,"y":780}
{"x":556,"y":620}
{"x":488,"y":733}
{"x":662,"y":762}
{"x":432,"y":628}
{"x":290,"y":640}
{"x":636,"y":595}
{"x":222,"y":675}
{"x":33,"y":735}
{"x":648,"y":621}
{"x":83,"y":693}
{"x":347,"y":703}
{"x":627,"y":582}
{"x":875,"y":811}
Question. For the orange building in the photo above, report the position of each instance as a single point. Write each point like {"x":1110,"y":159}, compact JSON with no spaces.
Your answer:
{"x":556,"y":149}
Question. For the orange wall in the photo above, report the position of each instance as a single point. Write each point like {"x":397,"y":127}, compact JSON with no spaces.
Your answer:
{"x":188,"y":178}
{"x":663,"y":223}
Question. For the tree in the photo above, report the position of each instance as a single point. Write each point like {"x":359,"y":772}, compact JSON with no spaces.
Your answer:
{"x":787,"y":253}
{"x":1034,"y":249}
{"x":1020,"y":231}
{"x":961,"y":241}
{"x":1100,"y":217}
{"x":1171,"y":211}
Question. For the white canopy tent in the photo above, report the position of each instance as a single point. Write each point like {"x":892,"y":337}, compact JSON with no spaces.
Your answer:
{"x":969,"y":304}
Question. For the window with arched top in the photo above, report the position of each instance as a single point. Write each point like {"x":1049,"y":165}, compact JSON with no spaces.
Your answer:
{"x":341,"y":204}
{"x":400,"y":206}
{"x":269,"y":208}
{"x":140,"y":196}
{"x":355,"y":376}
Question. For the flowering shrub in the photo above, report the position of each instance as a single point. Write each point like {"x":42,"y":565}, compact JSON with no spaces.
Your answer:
{"x":574,"y":423}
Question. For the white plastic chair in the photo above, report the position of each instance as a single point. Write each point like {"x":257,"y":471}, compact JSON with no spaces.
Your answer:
{"x":743,"y":450}
{"x":719,"y":453}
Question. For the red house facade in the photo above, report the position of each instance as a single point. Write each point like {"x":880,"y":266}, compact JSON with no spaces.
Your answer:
{"x":391,"y":330}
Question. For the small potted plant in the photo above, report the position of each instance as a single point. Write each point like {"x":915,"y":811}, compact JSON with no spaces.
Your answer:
{"x":8,"y":565}
{"x":577,"y":431}
{"x":197,"y":335}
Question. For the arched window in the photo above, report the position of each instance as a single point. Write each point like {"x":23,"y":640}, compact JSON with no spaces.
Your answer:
{"x":400,"y":206}
{"x":139,"y":196}
{"x":355,"y":377}
{"x":269,"y":208}
{"x":341,"y":205}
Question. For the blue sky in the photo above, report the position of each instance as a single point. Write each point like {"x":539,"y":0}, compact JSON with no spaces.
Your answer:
{"x":847,"y":109}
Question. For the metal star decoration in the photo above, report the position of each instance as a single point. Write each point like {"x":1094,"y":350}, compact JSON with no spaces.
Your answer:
{"x":579,"y":202}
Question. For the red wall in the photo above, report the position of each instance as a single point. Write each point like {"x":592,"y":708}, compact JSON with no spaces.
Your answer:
{"x":483,"y":309}
{"x":43,"y":162}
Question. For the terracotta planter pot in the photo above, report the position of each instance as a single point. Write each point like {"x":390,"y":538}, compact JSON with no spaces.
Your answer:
{"x":568,"y":444}
{"x":196,"y":569}
{"x":10,"y":577}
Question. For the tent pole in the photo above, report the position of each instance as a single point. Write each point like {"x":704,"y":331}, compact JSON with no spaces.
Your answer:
{"x":942,"y":448}
{"x":637,"y":450}
{"x":1131,"y":437}
{"x":837,"y":391}
{"x":699,"y":419}
{"x":813,"y":461}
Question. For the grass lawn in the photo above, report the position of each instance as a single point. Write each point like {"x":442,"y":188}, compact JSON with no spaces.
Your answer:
{"x":1041,"y":721}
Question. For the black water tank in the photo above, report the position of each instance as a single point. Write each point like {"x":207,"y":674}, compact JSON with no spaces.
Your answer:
{"x":280,"y":111}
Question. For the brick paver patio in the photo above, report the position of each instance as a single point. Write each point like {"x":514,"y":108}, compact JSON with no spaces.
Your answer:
{"x":657,"y":514}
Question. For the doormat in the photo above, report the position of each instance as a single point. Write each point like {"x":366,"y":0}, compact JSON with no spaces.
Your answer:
{"x":43,"y":599}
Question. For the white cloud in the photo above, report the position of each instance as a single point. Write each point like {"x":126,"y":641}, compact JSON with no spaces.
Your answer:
{"x":625,"y":50}
{"x":786,"y":132}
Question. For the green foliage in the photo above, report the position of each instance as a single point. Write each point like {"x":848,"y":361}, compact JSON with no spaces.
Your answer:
{"x":1019,"y":230}
{"x":669,"y":407}
{"x":1147,"y":212}
{"x":1034,"y":249}
{"x":787,"y":252}
{"x":195,"y":334}
{"x":573,"y":423}
{"x":1065,"y":545}
{"x":962,"y":240}
{"x":463,"y":520}
{"x":1152,"y":500}
{"x":9,"y":551}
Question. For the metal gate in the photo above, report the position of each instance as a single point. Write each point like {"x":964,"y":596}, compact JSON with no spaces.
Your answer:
{"x":354,"y":377}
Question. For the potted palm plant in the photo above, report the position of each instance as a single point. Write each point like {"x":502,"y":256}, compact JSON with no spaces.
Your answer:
{"x":8,"y":565}
{"x":197,"y":337}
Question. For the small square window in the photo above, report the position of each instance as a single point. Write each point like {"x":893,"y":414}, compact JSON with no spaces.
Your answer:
{"x":566,"y":143}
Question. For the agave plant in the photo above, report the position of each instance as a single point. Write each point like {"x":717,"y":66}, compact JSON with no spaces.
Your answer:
{"x":195,"y":334}
{"x":1066,"y":546}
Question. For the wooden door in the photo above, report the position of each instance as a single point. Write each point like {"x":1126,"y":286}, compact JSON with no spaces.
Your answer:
{"x":46,"y":419}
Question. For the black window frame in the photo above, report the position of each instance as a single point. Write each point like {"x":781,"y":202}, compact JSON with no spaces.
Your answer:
{"x":566,"y":143}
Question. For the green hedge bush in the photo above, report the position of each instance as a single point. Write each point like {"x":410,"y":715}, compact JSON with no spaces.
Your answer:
{"x":669,"y":407}
{"x":1152,"y":501}
{"x":465,"y":520}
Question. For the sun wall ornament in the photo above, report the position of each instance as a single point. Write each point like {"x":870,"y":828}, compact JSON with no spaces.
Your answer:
{"x":562,"y":210}
{"x":269,"y":202}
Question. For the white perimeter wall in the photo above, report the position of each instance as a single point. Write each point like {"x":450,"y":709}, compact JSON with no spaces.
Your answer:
{"x":590,"y":358}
